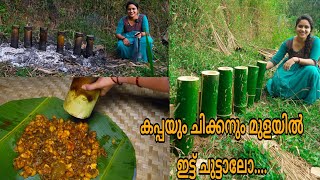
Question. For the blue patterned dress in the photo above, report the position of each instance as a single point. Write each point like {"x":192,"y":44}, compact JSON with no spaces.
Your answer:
{"x":299,"y":82}
{"x":128,"y":31}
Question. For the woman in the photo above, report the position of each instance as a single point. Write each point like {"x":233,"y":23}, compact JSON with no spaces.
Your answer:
{"x":298,"y":76}
{"x":131,"y":33}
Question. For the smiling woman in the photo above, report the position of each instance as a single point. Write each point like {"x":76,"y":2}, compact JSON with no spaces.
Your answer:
{"x":298,"y":76}
{"x":131,"y":33}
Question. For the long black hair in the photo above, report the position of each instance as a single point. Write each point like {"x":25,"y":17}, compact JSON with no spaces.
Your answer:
{"x":307,"y":44}
{"x":132,"y":2}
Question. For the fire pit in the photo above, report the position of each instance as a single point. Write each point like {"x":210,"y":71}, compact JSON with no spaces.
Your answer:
{"x":55,"y":57}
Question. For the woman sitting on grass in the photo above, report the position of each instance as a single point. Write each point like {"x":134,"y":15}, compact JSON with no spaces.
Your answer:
{"x":131,"y":33}
{"x":298,"y":76}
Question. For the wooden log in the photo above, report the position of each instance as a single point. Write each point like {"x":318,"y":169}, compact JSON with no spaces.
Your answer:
{"x":262,"y":69}
{"x":209,"y":93}
{"x":186,"y":108}
{"x":252,"y":83}
{"x":240,"y":89}
{"x":224,"y":110}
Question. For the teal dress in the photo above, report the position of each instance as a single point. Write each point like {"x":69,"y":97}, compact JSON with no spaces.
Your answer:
{"x":299,"y":82}
{"x":128,"y":31}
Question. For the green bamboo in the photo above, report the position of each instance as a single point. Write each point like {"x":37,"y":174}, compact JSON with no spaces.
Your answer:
{"x":225,"y":92}
{"x":252,"y":83}
{"x":209,"y":95}
{"x":240,"y":89}
{"x":149,"y":55}
{"x":262,"y":69}
{"x":186,"y":107}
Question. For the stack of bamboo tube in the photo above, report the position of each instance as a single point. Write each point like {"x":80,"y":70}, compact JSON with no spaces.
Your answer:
{"x":223,"y":92}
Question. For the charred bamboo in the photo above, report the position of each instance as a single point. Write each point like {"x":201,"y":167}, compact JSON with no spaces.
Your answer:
{"x":77,"y":43}
{"x":15,"y":36}
{"x":60,"y":41}
{"x":43,"y":38}
{"x":89,"y":47}
{"x":28,"y":36}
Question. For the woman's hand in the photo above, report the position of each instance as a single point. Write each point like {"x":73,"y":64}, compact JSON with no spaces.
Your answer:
{"x":287,"y":65}
{"x":126,"y":42}
{"x":138,"y":35}
{"x":103,"y":83}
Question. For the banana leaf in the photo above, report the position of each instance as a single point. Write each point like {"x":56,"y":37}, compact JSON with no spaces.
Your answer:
{"x":120,"y":162}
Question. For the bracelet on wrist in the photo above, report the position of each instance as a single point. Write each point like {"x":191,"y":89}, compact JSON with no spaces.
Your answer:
{"x":137,"y":82}
{"x":123,"y":38}
{"x":116,"y":81}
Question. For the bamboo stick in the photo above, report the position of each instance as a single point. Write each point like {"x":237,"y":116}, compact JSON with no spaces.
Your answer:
{"x":262,"y":69}
{"x":252,"y":83}
{"x":209,"y":95}
{"x":43,"y":38}
{"x":186,"y":108}
{"x":240,"y":89}
{"x":28,"y":36}
{"x":225,"y":92}
{"x":15,"y":36}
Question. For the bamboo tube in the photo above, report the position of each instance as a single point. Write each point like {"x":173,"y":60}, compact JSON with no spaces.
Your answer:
{"x":262,"y":69}
{"x":27,"y":36}
{"x":15,"y":36}
{"x":209,"y":94}
{"x":77,"y":43}
{"x":80,"y":103}
{"x":186,"y":108}
{"x":43,"y":38}
{"x":225,"y":92}
{"x":240,"y":89}
{"x":60,"y":41}
{"x":89,"y":47}
{"x":252,"y":83}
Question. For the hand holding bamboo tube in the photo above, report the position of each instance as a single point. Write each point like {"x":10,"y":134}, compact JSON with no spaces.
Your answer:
{"x":106,"y":83}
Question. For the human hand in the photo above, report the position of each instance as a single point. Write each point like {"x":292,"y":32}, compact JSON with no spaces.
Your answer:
{"x":287,"y":65}
{"x":138,"y":35}
{"x":126,"y":42}
{"x":103,"y":83}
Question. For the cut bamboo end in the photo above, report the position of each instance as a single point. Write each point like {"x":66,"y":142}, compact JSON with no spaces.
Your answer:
{"x":225,"y":69}
{"x":188,"y":78}
{"x":241,"y":67}
{"x":262,"y":62}
{"x":210,"y":73}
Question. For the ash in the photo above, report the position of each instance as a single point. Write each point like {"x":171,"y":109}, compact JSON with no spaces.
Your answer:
{"x":50,"y":60}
